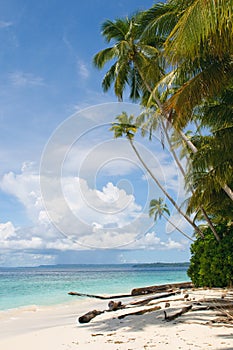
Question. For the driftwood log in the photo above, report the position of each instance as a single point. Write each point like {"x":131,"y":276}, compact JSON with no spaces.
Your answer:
{"x":178,"y":313}
{"x":140,"y":312}
{"x":139,"y":291}
{"x":89,"y":316}
{"x":161,"y":288}
{"x":146,"y":301}
{"x":112,"y":306}
{"x":102,"y":297}
{"x":115,"y":305}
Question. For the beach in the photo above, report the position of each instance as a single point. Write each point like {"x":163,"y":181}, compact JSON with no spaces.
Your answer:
{"x":57,"y":327}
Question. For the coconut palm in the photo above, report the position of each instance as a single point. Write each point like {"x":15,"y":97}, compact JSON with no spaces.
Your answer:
{"x":128,"y":53}
{"x":200,"y":46}
{"x":135,"y":63}
{"x":199,"y":72}
{"x":159,"y":209}
{"x":212,"y":165}
{"x":125,"y":127}
{"x":151,"y":125}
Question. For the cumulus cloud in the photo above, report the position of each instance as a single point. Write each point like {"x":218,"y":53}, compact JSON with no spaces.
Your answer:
{"x":82,"y":217}
{"x":151,"y":241}
{"x":7,"y":231}
{"x":90,"y":193}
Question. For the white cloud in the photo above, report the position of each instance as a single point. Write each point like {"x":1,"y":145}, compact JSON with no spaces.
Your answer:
{"x":107,"y":218}
{"x":151,"y":241}
{"x":22,"y":79}
{"x":91,"y":156}
{"x":101,"y":218}
{"x":7,"y":230}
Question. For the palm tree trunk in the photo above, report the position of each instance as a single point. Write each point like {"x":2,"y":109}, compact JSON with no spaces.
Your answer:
{"x":177,"y":228}
{"x":228,"y":191}
{"x":164,"y":191}
{"x":209,"y":222}
{"x":189,"y":143}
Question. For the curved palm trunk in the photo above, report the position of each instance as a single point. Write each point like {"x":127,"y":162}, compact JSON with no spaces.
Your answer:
{"x":209,"y":222}
{"x":189,"y":143}
{"x":177,"y":228}
{"x":228,"y":191}
{"x":165,"y":192}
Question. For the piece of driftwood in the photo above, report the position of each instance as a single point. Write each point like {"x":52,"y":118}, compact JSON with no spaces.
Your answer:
{"x":140,"y":312}
{"x":161,"y":288}
{"x":115,"y":305}
{"x":146,"y":301}
{"x":177,"y":314}
{"x":102,"y":297}
{"x":213,"y":305}
{"x":89,"y":316}
{"x":112,"y":306}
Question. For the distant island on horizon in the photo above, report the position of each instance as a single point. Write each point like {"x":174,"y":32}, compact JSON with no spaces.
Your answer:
{"x":133,"y":265}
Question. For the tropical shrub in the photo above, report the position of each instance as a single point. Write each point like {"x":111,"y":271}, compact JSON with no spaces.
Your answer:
{"x":211,"y":263}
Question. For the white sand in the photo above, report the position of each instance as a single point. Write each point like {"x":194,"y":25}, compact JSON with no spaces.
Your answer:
{"x":55,"y":328}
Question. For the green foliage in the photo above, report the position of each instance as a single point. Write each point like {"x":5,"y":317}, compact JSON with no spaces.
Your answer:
{"x":211,"y":262}
{"x":124,"y":126}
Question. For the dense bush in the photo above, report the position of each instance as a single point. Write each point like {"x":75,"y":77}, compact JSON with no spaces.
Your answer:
{"x":211,"y":262}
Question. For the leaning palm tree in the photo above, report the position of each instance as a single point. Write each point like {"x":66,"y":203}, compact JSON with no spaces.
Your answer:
{"x":159,"y":209}
{"x":137,"y":63}
{"x":174,"y":141}
{"x":125,"y":127}
{"x":190,"y":29}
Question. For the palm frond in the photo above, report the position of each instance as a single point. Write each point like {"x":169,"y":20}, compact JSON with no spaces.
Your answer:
{"x":102,"y":57}
{"x":115,"y":30}
{"x":206,"y":84}
{"x":109,"y":78}
{"x":204,"y":27}
{"x":158,"y":20}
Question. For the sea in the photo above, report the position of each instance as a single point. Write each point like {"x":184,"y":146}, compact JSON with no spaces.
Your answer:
{"x":49,"y":285}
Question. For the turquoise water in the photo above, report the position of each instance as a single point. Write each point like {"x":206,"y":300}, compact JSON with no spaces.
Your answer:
{"x":50,"y":285}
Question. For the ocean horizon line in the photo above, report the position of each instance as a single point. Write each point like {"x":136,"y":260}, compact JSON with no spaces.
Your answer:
{"x":135,"y":264}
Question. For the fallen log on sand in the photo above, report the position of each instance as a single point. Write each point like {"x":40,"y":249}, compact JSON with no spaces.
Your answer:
{"x":161,"y":288}
{"x":89,"y":316}
{"x":115,"y":305}
{"x":140,"y":312}
{"x":146,"y":301}
{"x":177,"y":314}
{"x":102,"y":297}
{"x":112,"y":306}
{"x":139,"y":291}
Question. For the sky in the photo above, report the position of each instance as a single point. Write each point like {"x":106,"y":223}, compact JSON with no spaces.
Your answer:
{"x":69,"y":191}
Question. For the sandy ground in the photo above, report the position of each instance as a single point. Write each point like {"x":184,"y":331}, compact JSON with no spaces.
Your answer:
{"x":58,"y":328}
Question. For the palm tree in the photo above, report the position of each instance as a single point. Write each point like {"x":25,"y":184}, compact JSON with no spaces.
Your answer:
{"x":212,"y":164}
{"x":136,"y":62}
{"x":198,"y":44}
{"x":125,"y":126}
{"x":137,"y":59}
{"x":199,"y":72}
{"x":128,"y":53}
{"x":159,"y":209}
{"x":150,"y":125}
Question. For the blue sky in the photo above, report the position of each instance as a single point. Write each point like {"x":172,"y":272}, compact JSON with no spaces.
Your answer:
{"x":94,"y":206}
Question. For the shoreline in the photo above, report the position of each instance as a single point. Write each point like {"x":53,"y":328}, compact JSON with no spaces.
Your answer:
{"x":56,"y":327}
